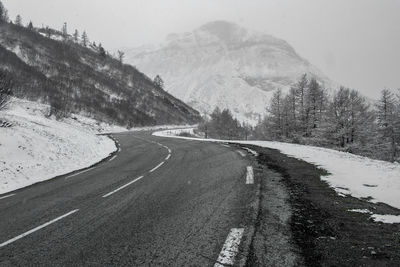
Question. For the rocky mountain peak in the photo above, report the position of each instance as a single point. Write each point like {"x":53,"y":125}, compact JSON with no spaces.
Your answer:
{"x":221,"y":64}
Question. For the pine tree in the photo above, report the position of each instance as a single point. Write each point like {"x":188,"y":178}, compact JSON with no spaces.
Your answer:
{"x":301,"y":88}
{"x":396,"y":124}
{"x":223,"y":125}
{"x":76,"y":35}
{"x":290,"y":101}
{"x":18,"y":20}
{"x":84,"y":38}
{"x":3,"y":13}
{"x":48,"y":32}
{"x":315,"y":106}
{"x":361,"y":117}
{"x":215,"y":128}
{"x":2,"y":10}
{"x":30,"y":26}
{"x":349,"y":118}
{"x":158,"y":81}
{"x":387,"y":117}
{"x":276,"y":114}
{"x":286,"y":118}
{"x":102,"y":51}
{"x":64,"y":31}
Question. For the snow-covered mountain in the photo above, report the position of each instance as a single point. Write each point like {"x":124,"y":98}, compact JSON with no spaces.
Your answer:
{"x":222,"y":64}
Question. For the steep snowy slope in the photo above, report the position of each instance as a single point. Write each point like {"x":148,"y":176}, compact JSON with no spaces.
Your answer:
{"x":77,"y":79}
{"x":38,"y":147}
{"x":222,"y":64}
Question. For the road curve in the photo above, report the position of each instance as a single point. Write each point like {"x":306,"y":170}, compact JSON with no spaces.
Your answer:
{"x":159,"y":202}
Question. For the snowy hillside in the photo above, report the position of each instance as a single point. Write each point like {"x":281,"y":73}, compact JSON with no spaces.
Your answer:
{"x":222,"y":64}
{"x":73,"y":78}
{"x":350,"y":174}
{"x":37,"y":148}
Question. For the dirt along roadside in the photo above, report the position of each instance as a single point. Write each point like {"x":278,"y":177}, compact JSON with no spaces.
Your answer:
{"x":302,"y":221}
{"x":272,"y":243}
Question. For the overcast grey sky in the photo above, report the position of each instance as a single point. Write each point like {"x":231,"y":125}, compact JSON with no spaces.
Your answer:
{"x":355,"y":42}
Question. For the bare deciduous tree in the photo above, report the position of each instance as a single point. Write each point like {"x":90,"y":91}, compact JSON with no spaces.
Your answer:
{"x":121,"y":56}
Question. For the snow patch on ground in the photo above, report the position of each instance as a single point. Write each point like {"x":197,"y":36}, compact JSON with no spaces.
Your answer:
{"x":366,"y":211}
{"x":386,"y":218}
{"x":361,"y":177}
{"x":37,"y":148}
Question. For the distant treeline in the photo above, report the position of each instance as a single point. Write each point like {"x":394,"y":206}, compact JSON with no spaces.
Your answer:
{"x":222,"y":125}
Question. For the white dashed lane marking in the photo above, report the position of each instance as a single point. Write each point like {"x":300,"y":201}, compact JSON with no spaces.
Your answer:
{"x":241,"y":153}
{"x":156,"y":167}
{"x":122,"y":187}
{"x":251,"y":151}
{"x":139,"y":178}
{"x":36,"y":229}
{"x":230,"y":249}
{"x":250,"y":175}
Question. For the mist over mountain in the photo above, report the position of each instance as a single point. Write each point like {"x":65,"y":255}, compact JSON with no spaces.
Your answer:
{"x":223,"y":64}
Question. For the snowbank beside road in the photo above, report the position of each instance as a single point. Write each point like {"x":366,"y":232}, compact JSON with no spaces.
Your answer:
{"x":361,"y":177}
{"x":37,"y":148}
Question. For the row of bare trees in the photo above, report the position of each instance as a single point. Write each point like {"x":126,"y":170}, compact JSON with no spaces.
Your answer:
{"x":344,"y":120}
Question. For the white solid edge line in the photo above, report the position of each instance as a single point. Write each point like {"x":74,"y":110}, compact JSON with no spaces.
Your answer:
{"x":230,"y":248}
{"x":251,"y":151}
{"x":250,"y":175}
{"x":72,"y":175}
{"x":241,"y":153}
{"x":156,"y":167}
{"x":122,"y":187}
{"x":113,"y":158}
{"x":36,"y":229}
{"x":10,"y":195}
{"x":167,"y":158}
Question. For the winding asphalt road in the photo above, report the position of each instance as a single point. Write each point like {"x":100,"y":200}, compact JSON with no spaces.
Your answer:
{"x":158,"y":202}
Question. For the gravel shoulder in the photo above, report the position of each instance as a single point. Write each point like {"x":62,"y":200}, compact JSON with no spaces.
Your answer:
{"x":303,"y":221}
